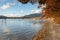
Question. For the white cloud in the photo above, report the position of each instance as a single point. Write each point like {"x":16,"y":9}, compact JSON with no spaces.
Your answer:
{"x":7,"y":5}
{"x":12,"y":15}
{"x":36,"y":11}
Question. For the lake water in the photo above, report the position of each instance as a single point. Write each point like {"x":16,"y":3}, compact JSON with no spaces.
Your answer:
{"x":19,"y":29}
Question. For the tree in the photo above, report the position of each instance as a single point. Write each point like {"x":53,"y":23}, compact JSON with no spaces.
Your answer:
{"x":52,"y":6}
{"x":52,"y":10}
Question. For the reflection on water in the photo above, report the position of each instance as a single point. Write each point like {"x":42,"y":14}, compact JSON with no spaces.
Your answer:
{"x":18,"y":29}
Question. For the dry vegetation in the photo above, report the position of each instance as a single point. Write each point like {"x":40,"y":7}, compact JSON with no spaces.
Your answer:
{"x":51,"y":31}
{"x":52,"y":7}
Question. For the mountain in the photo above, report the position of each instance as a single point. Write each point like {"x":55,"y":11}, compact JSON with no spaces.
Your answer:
{"x":3,"y":17}
{"x":26,"y":16}
{"x":33,"y":15}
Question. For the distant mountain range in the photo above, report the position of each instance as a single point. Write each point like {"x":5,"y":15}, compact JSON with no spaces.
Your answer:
{"x":26,"y":16}
{"x":33,"y":15}
{"x":3,"y":17}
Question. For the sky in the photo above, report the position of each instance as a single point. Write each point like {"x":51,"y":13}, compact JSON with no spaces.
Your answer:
{"x":15,"y":8}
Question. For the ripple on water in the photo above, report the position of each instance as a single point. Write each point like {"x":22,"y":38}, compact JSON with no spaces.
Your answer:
{"x":19,"y":29}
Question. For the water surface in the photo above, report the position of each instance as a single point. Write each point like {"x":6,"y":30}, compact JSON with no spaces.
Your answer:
{"x":19,"y":29}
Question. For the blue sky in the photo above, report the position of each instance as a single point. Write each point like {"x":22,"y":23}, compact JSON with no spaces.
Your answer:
{"x":15,"y":8}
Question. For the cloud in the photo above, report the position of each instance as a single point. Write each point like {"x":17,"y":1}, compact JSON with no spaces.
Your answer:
{"x":7,"y":5}
{"x":36,"y":11}
{"x":12,"y":15}
{"x":1,"y":0}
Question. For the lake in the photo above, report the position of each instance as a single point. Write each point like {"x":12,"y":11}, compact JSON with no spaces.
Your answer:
{"x":19,"y":29}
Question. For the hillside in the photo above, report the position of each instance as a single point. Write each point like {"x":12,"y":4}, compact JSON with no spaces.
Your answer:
{"x":32,"y":15}
{"x":3,"y":17}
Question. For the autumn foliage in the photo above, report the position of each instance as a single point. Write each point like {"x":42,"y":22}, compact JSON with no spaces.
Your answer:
{"x":51,"y":31}
{"x":52,"y":7}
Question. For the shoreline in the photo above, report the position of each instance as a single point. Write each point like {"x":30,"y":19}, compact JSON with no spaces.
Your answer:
{"x":49,"y":31}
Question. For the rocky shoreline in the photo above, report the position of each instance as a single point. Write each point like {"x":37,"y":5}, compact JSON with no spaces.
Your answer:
{"x":51,"y":31}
